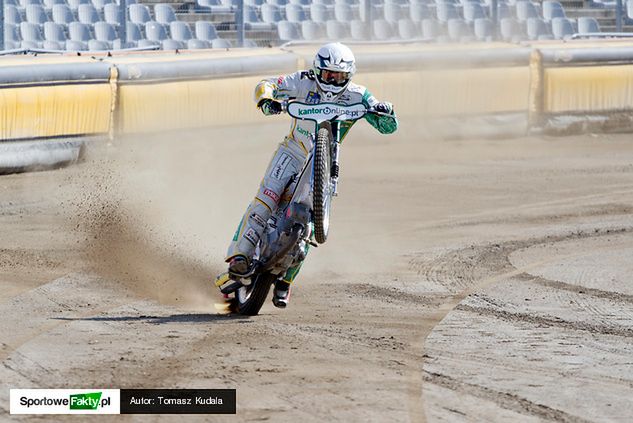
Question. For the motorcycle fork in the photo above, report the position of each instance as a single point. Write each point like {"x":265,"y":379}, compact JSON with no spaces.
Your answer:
{"x":335,"y":142}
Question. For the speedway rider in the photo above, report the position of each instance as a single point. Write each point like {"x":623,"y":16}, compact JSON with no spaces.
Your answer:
{"x":328,"y":81}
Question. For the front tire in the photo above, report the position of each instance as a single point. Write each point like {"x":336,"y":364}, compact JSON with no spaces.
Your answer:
{"x":250,"y":299}
{"x":321,"y":197}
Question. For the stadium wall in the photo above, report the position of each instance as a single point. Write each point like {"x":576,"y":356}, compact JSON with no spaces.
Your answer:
{"x":76,"y":97}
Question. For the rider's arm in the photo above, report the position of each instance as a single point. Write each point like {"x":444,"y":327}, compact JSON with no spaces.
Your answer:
{"x":269,"y":92}
{"x":384,"y":124}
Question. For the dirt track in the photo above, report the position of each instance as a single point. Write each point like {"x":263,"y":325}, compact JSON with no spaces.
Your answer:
{"x":463,"y":280}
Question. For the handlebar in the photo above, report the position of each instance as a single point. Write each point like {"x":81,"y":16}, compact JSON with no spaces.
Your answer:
{"x":327,"y":111}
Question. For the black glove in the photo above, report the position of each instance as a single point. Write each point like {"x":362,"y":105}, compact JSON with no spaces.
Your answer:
{"x":269,"y":107}
{"x":384,"y":108}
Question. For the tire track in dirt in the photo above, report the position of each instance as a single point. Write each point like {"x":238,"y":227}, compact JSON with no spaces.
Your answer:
{"x":502,"y":399}
{"x":478,"y":260}
{"x":542,"y":321}
{"x":477,"y":267}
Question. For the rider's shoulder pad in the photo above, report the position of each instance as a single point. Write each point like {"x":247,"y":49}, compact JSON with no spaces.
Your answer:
{"x":356,"y":89}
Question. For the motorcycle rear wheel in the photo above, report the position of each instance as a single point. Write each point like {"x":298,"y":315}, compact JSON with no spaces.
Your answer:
{"x":250,"y":299}
{"x":321,"y":198}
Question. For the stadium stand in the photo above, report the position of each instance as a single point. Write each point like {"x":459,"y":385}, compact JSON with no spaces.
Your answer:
{"x":86,"y":24}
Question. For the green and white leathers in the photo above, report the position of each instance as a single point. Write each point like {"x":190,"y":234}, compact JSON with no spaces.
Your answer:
{"x":307,"y":87}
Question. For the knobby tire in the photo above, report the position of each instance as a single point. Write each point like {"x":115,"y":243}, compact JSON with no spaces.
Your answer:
{"x":321,"y":184}
{"x":259,"y":289}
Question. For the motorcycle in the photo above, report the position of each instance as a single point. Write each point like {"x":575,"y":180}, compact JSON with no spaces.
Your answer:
{"x":304,"y":220}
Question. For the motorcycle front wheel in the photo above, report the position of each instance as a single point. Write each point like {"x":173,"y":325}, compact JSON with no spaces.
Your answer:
{"x":322,"y":196}
{"x":250,"y":299}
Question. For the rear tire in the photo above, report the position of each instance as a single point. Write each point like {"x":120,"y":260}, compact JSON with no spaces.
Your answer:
{"x":321,"y":198}
{"x":250,"y":299}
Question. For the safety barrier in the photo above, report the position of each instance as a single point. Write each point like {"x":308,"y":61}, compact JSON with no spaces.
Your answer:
{"x":66,"y":97}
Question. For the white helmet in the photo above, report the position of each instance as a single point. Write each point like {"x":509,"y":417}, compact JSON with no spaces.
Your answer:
{"x":334,"y":57}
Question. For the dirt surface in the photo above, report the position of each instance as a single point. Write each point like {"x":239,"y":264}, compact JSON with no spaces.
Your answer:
{"x":463,"y":280}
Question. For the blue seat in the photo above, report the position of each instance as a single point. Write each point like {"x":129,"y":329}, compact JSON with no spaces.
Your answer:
{"x":588,"y":25}
{"x":336,"y":30}
{"x":472,"y":11}
{"x":76,"y":46}
{"x":111,"y":13}
{"x":164,"y":13}
{"x":74,"y":4}
{"x":383,"y":30}
{"x":139,"y":13}
{"x":271,"y":13}
{"x":35,"y":14}
{"x":526,"y":10}
{"x":133,"y":33}
{"x":407,"y":29}
{"x":48,"y":4}
{"x":180,"y":31}
{"x":446,"y":11}
{"x":105,"y":32}
{"x":562,"y":28}
{"x":431,"y":28}
{"x":510,"y":29}
{"x":24,"y":3}
{"x":457,"y":29}
{"x":205,"y":31}
{"x":54,"y":32}
{"x":288,"y":31}
{"x":52,"y":45}
{"x":343,"y":12}
{"x":100,"y":4}
{"x":220,"y":43}
{"x":170,"y":44}
{"x":31,"y":35}
{"x":311,"y":30}
{"x":12,"y":15}
{"x":96,"y":45}
{"x":11,"y":36}
{"x":419,"y":11}
{"x":79,"y":32}
{"x":482,"y":29}
{"x":552,"y":9}
{"x":195,"y":44}
{"x":62,"y":15}
{"x":155,"y":31}
{"x":537,"y":28}
{"x":393,"y":11}
{"x":359,"y":30}
{"x":295,"y":13}
{"x":503,"y":10}
{"x":320,"y":13}
{"x":86,"y":13}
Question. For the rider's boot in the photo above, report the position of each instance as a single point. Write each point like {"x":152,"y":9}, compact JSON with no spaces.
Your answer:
{"x":281,"y":294}
{"x":239,"y":265}
{"x":229,"y":282}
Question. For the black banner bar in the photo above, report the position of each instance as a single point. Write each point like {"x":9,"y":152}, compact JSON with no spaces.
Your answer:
{"x":178,"y":401}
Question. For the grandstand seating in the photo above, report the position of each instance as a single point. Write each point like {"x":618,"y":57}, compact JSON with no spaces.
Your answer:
{"x":94,"y":24}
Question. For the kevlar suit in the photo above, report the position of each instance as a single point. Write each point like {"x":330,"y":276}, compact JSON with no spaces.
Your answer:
{"x":289,"y":158}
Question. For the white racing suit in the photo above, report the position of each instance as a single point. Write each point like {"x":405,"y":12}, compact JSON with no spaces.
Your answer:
{"x":291,"y":153}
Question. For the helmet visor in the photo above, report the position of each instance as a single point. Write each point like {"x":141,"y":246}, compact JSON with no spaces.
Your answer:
{"x":338,"y":79}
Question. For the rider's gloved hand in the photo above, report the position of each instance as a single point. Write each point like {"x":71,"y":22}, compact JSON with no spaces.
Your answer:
{"x":384,"y":108}
{"x":269,"y":107}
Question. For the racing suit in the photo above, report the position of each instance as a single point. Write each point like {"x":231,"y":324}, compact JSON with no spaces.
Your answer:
{"x":289,"y":158}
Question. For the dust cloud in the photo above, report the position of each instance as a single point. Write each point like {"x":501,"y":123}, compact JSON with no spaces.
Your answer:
{"x":150,"y":217}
